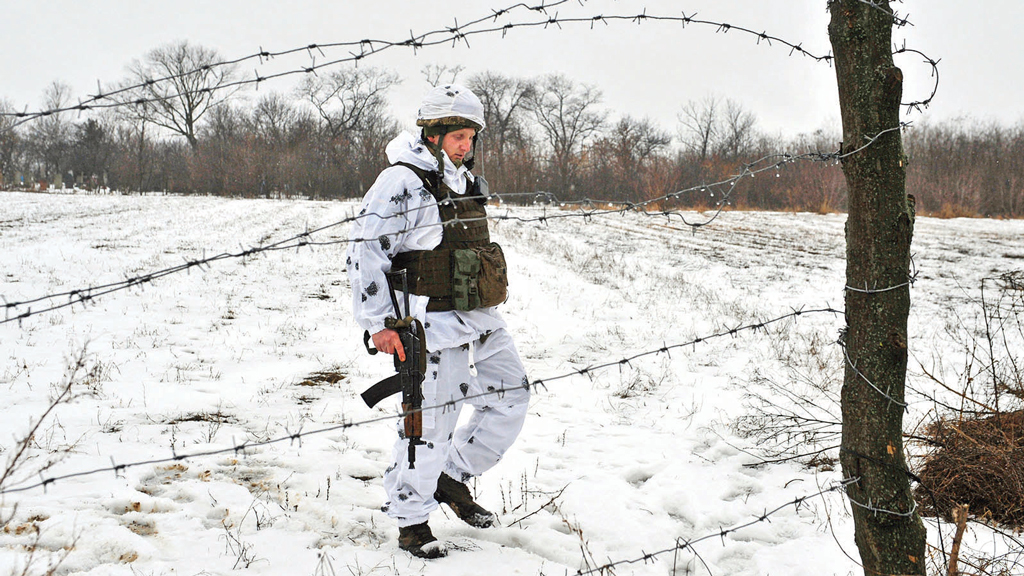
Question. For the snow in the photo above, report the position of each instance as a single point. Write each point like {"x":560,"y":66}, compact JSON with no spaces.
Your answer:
{"x":610,"y":466}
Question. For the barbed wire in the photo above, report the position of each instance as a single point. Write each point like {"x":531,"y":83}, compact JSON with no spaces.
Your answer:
{"x":911,"y":279}
{"x":683,"y":544}
{"x":897,"y":20}
{"x":536,"y":385}
{"x":666,"y":349}
{"x":876,"y":510}
{"x":16,"y":311}
{"x":920,"y":105}
{"x":262,"y":56}
{"x":866,"y":290}
{"x":902,"y":470}
{"x":86,"y":295}
{"x":853,"y":366}
{"x":450,"y":34}
{"x":870,"y":140}
{"x":586,"y":209}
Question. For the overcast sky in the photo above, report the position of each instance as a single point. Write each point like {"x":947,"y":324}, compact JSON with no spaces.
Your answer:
{"x":650,"y":69}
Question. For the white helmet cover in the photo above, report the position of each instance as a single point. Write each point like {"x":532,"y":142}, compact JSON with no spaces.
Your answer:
{"x":448,"y":103}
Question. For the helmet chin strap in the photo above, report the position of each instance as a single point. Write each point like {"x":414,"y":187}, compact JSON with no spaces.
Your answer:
{"x":470,"y":159}
{"x":439,"y":152}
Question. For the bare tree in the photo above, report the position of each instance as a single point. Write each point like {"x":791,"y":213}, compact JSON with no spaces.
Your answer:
{"x":887,"y":529}
{"x":347,"y":100}
{"x":636,"y":141}
{"x":273,"y":119}
{"x":136,"y":114}
{"x":225,"y":165}
{"x":9,"y":142}
{"x":566,"y":114}
{"x":369,"y":151}
{"x":737,"y":130}
{"x":504,"y":99}
{"x":275,"y":132}
{"x":700,"y":126}
{"x":352,"y":107}
{"x":618,"y":161}
{"x":50,"y":135}
{"x":433,"y":73}
{"x":196,"y":83}
{"x":91,"y":150}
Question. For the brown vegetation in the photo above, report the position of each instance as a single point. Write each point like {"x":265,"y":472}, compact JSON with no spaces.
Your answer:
{"x":975,"y":447}
{"x":967,"y":168}
{"x":551,"y":134}
{"x":979,"y":462}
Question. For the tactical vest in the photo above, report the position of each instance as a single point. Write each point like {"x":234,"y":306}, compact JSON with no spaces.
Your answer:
{"x":466,"y":270}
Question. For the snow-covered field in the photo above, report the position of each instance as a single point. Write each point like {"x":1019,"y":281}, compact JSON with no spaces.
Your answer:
{"x":612,"y":465}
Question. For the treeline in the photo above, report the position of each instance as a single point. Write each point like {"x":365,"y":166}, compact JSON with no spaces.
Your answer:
{"x":197,"y":134}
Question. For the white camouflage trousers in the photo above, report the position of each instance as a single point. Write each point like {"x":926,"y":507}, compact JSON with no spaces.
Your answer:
{"x":457,"y":375}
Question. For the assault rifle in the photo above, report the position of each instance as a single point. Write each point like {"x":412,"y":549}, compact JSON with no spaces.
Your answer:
{"x":410,"y":373}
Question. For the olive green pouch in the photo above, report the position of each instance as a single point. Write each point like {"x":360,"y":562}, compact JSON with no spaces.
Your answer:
{"x":465,"y":273}
{"x":479,"y":277}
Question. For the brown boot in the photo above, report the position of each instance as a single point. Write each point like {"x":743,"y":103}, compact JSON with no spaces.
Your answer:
{"x":420,"y":542}
{"x":456,"y":495}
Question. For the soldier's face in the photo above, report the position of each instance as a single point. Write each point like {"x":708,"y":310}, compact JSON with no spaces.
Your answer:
{"x":457,"y":143}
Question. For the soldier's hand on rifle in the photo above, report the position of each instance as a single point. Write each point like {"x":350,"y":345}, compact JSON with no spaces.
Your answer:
{"x":388,"y":341}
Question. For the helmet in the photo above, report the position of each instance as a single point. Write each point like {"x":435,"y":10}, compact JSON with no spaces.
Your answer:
{"x":453,"y":106}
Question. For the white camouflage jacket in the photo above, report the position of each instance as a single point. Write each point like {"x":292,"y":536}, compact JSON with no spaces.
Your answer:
{"x":398,"y":215}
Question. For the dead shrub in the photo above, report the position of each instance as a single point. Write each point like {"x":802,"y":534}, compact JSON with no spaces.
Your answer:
{"x":979,"y":462}
{"x":976,"y":453}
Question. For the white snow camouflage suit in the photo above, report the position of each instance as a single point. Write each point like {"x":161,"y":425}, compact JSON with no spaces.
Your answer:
{"x":398,"y":215}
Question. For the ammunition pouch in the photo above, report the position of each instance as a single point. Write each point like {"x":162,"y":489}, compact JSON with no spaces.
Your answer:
{"x":457,"y":279}
{"x":479,"y":277}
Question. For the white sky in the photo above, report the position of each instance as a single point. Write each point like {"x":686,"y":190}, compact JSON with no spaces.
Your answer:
{"x":644,"y":70}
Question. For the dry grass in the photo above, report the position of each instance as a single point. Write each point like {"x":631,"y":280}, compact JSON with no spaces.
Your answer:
{"x":948,"y":211}
{"x":323,"y":377}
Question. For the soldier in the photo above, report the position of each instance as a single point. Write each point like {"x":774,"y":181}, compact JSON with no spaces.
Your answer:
{"x":426,"y":215}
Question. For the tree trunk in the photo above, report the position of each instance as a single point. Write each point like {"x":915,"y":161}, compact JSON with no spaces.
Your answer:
{"x":889,"y":533}
{"x":140,"y":163}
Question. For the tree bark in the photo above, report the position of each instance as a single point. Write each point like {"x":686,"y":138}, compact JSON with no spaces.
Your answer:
{"x":889,"y":534}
